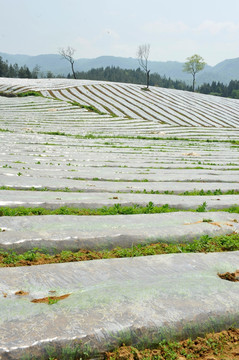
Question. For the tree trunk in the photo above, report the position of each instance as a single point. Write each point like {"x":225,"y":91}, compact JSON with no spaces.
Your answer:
{"x":193,"y":82}
{"x":72,"y":67}
{"x":147,"y":78}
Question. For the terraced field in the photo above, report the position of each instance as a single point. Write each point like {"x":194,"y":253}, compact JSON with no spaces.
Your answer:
{"x":158,"y":166}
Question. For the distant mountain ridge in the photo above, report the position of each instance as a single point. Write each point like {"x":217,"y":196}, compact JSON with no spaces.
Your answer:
{"x":224,"y":71}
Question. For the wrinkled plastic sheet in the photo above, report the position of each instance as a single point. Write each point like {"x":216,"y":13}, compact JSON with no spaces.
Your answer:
{"x":61,"y":232}
{"x":89,"y":200}
{"x":40,"y":183}
{"x":138,"y":300}
{"x":129,"y":174}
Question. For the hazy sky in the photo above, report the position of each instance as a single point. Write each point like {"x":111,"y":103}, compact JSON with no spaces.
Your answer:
{"x":175,"y":29}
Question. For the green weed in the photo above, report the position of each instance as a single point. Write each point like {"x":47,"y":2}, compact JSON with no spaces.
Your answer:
{"x":5,"y":130}
{"x":202,"y":208}
{"x":52,"y":301}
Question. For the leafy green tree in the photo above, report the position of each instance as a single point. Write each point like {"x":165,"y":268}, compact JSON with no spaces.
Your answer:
{"x":49,"y":74}
{"x":16,"y":70}
{"x":233,"y":85}
{"x":24,"y":72}
{"x":235,"y":94}
{"x":11,"y":72}
{"x":193,"y":65}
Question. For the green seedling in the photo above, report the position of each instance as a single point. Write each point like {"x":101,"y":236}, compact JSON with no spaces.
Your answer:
{"x":52,"y":301}
{"x":202,"y":208}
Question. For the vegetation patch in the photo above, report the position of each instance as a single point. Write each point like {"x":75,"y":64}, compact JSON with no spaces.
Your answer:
{"x":29,"y":93}
{"x":204,"y":244}
{"x":139,"y":137}
{"x":53,"y":133}
{"x":6,"y":130}
{"x":88,"y":107}
{"x":214,"y":346}
{"x":202,"y":208}
{"x":207,"y":220}
{"x":117,"y":209}
{"x":210,"y":192}
{"x":21,"y":94}
{"x":194,"y":192}
{"x":7,"y":94}
{"x":66,"y":189}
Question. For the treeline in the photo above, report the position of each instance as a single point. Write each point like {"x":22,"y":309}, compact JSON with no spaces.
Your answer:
{"x":14,"y":71}
{"x":217,"y":88}
{"x":116,"y":74}
{"x":137,"y":76}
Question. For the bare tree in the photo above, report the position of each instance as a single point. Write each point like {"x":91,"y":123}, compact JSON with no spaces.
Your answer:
{"x":67,"y":54}
{"x":143,"y":55}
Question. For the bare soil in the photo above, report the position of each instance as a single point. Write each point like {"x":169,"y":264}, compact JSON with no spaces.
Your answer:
{"x":215,"y":346}
{"x":49,"y":299}
{"x":21,"y":293}
{"x":230,"y":276}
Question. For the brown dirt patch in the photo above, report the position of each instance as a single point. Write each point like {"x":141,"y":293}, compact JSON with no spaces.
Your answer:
{"x":21,"y":293}
{"x":215,"y":346}
{"x":215,"y":223}
{"x":50,"y":299}
{"x":230,"y":276}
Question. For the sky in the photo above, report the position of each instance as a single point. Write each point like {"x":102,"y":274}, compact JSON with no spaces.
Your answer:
{"x":175,"y":29}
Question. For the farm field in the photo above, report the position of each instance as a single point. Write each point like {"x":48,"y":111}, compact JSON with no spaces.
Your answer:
{"x":94,"y":166}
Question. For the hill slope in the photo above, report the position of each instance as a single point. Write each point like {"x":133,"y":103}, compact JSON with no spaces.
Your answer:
{"x":164,"y":106}
{"x":224,"y":71}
